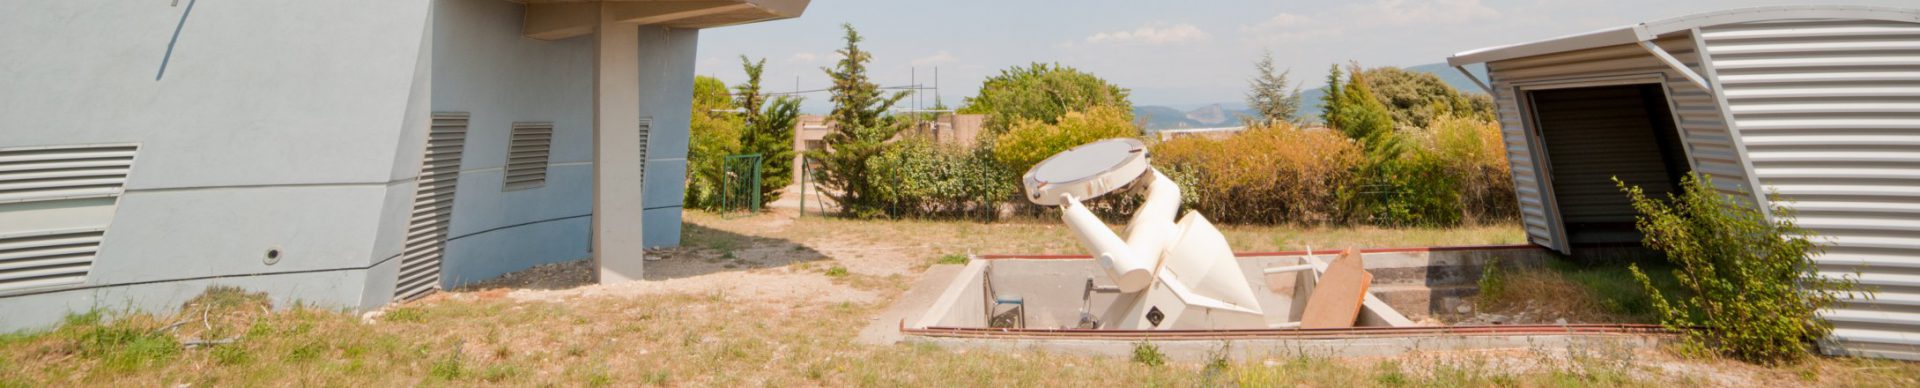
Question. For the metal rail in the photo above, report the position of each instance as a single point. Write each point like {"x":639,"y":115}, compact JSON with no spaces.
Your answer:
{"x":1348,"y":333}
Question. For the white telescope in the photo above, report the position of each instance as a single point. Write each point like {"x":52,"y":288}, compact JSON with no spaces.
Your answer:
{"x":1170,"y":275}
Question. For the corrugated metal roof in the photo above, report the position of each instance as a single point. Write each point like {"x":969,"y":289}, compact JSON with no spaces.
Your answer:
{"x":1633,"y":33}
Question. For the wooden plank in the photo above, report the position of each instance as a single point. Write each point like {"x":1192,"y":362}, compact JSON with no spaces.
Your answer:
{"x":1335,"y":301}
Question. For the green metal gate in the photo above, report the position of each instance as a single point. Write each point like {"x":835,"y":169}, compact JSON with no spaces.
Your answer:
{"x":740,"y":188}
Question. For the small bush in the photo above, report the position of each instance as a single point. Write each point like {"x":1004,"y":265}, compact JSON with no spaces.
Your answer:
{"x":1473,"y":153}
{"x":1269,"y":174}
{"x":1749,"y":282}
{"x":915,"y":177}
{"x":1029,"y":141}
{"x":1146,"y":353}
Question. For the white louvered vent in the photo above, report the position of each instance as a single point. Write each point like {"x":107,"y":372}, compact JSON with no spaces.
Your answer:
{"x":432,"y":208}
{"x":47,"y":259}
{"x":50,"y":173}
{"x":527,"y":155}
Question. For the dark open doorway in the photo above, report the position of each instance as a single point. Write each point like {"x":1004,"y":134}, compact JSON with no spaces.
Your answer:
{"x":1594,"y":134}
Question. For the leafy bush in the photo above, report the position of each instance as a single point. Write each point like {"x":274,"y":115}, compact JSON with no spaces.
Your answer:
{"x":1030,"y":141}
{"x":1749,"y":282}
{"x":1268,"y":174}
{"x":1042,"y":92}
{"x":1416,"y":99}
{"x":1146,"y":353}
{"x":713,"y":136}
{"x":1396,"y":184}
{"x":1473,"y":152}
{"x":918,"y":177}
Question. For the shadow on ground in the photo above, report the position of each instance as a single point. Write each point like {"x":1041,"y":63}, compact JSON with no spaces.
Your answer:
{"x":702,"y":251}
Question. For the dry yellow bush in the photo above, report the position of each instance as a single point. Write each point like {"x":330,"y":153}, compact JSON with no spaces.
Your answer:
{"x":1269,"y":174}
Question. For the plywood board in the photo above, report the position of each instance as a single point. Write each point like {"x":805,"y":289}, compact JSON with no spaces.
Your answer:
{"x":1335,"y":301}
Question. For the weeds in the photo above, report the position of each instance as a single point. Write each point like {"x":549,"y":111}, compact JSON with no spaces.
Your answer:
{"x":1146,"y":353}
{"x":952,"y":258}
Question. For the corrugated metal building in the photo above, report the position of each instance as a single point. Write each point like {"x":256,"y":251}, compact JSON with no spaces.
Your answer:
{"x":1819,"y":103}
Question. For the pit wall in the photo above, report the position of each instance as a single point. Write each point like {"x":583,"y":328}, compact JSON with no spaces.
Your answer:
{"x":1419,"y":282}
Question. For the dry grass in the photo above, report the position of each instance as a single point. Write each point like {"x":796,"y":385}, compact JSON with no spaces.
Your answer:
{"x":734,"y":338}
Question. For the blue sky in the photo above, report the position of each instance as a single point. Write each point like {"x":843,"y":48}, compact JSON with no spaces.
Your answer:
{"x":1177,"y":53}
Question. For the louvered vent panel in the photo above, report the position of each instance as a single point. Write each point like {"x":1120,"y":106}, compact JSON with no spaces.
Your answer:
{"x":47,"y":259}
{"x":49,"y":173}
{"x":432,"y":208}
{"x":527,"y":155}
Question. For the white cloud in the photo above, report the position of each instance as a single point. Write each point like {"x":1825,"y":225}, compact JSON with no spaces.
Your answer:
{"x":803,"y":57}
{"x":941,"y":57}
{"x":1152,"y":34}
{"x":1288,"y":27}
{"x":1424,"y":11}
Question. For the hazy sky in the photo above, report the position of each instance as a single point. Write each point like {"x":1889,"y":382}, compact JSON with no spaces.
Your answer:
{"x":1179,"y":53}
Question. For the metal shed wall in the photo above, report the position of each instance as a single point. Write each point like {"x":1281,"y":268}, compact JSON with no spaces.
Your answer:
{"x":1829,"y":111}
{"x":1707,"y":140}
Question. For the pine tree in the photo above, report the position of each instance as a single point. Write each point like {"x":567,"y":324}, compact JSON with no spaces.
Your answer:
{"x":861,"y":129}
{"x":1330,"y":102}
{"x":1362,"y":117}
{"x":768,"y":130}
{"x":1269,"y":95}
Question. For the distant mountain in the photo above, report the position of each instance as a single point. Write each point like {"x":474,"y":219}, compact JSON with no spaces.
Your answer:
{"x":1310,"y":98}
{"x":1159,"y":117}
{"x":1226,"y":114}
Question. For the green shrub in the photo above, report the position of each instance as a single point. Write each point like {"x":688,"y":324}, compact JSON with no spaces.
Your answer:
{"x":1269,"y":174}
{"x":713,"y":136}
{"x":1749,"y":282}
{"x":1044,"y":93}
{"x":1030,"y":141}
{"x":1473,"y":152}
{"x":1146,"y":353}
{"x":915,"y":177}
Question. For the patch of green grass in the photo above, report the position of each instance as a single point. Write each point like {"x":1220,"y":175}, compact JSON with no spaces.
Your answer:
{"x":448,"y":368}
{"x":837,"y":271}
{"x":951,"y":258}
{"x":306,"y":351}
{"x":1390,"y":374}
{"x":656,"y":378}
{"x":231,"y":354}
{"x":1146,"y":353}
{"x":499,"y":372}
{"x":120,"y":345}
{"x":1613,"y":283}
{"x":407,"y":314}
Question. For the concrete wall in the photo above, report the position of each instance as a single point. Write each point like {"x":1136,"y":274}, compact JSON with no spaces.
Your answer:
{"x":500,"y":77}
{"x":484,"y":67}
{"x":274,"y":125}
{"x":666,"y":95}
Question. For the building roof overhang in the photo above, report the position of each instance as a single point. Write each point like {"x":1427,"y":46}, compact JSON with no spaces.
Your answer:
{"x":561,"y":19}
{"x":1642,"y":32}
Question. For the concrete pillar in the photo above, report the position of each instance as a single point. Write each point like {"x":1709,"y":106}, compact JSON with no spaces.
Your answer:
{"x":617,"y":188}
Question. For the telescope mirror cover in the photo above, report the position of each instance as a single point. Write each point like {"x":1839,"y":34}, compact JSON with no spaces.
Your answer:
{"x":1088,"y":171}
